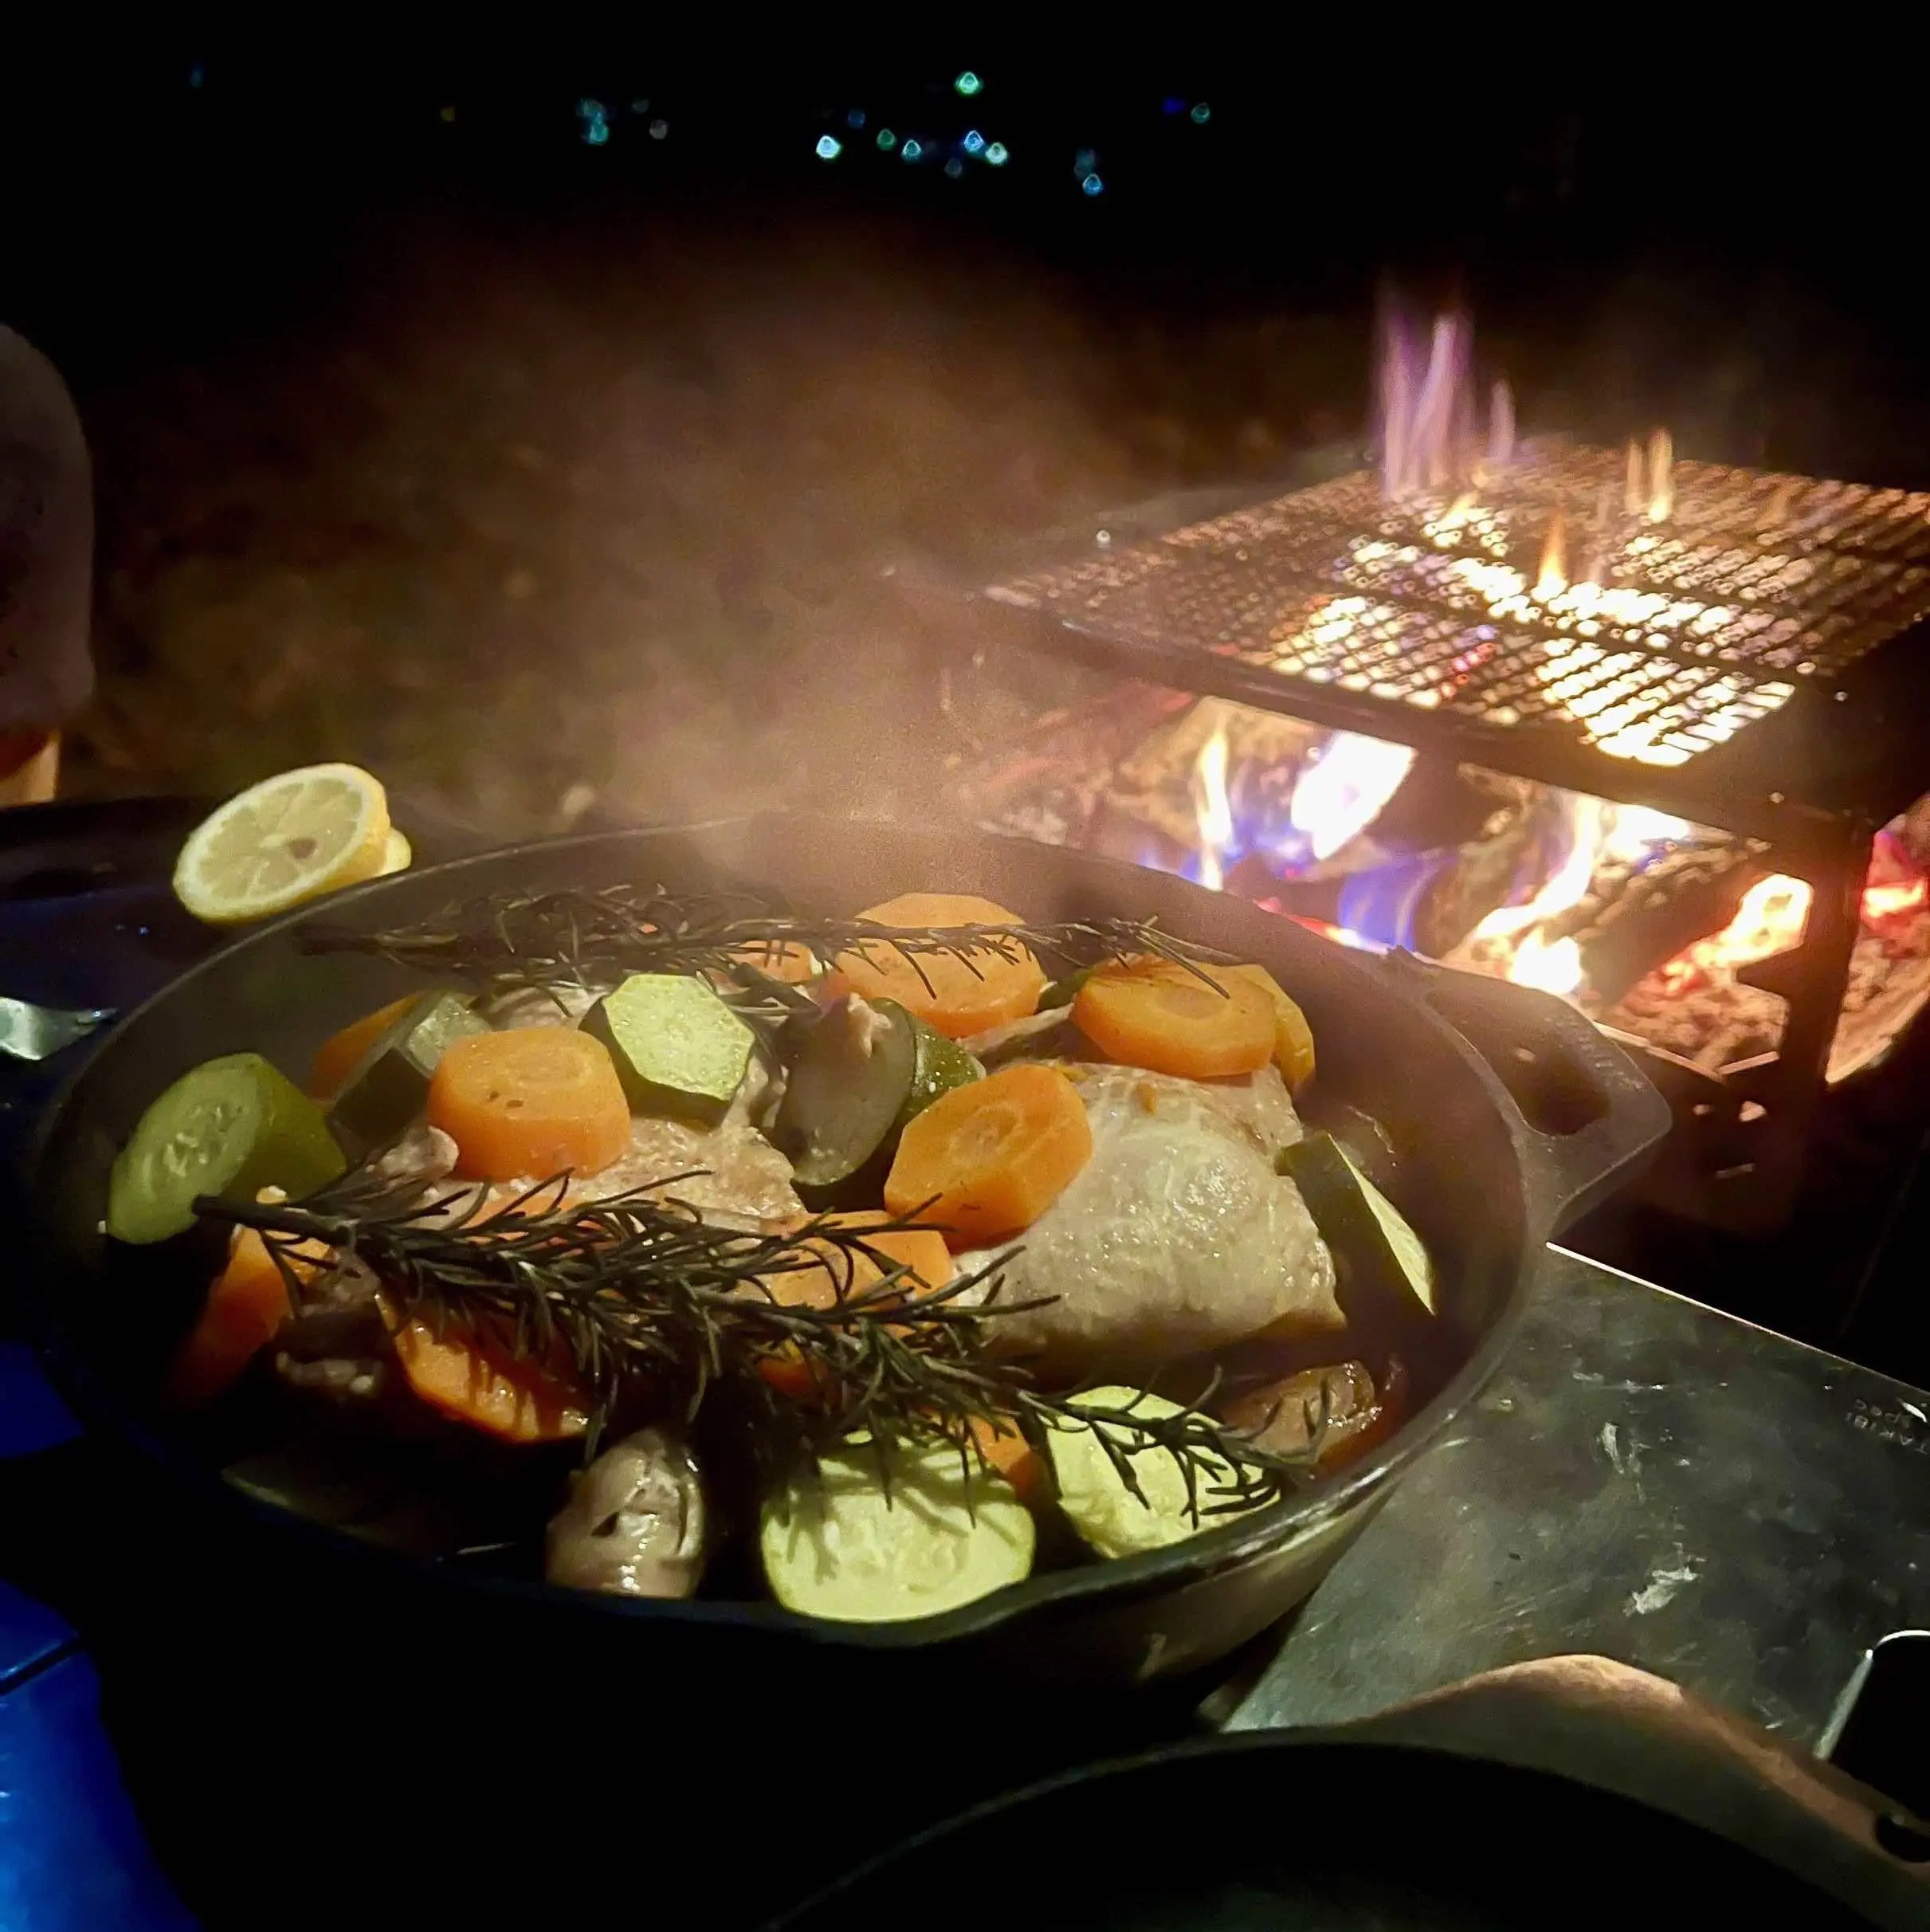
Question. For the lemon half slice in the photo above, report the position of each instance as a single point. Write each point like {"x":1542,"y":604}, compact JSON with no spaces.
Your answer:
{"x":289,"y":839}
{"x":396,"y":856}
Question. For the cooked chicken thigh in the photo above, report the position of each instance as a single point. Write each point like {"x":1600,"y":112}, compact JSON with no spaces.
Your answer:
{"x":1176,"y":1237}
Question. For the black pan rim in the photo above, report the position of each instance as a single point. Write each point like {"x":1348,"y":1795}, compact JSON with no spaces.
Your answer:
{"x":1278,"y":1528}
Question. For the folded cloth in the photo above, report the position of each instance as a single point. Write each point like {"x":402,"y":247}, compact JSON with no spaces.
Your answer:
{"x":46,"y":545}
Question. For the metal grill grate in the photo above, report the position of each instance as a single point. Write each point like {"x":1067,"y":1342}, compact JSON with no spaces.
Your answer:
{"x":1672,"y":636}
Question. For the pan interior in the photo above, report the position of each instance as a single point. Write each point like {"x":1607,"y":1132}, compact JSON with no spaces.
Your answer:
{"x":108,"y":1313}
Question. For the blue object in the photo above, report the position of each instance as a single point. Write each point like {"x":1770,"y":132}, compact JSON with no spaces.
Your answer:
{"x":31,"y":1637}
{"x":1383,"y":904}
{"x":72,"y":1857}
{"x":31,"y":1417}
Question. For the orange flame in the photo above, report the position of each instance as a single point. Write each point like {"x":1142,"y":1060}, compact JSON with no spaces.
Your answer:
{"x":1514,"y":938}
{"x":1769,"y":919}
{"x":1662,"y":476}
{"x":1212,"y":808}
{"x":1553,"y":578}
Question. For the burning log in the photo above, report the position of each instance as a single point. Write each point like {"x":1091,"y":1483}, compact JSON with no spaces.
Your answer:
{"x":1631,"y":921}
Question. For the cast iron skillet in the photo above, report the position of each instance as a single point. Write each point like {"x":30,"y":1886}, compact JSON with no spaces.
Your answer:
{"x":1507,"y":1113}
{"x":1648,"y":1807}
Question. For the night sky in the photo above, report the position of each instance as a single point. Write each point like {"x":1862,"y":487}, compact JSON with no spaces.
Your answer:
{"x":1737,"y":253}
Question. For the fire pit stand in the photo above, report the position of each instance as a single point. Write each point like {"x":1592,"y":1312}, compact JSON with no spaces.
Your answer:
{"x":1734,"y":647}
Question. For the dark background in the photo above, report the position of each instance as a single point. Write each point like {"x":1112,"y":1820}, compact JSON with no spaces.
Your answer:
{"x":434,"y":431}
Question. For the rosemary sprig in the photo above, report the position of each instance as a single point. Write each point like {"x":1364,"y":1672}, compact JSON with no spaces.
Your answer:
{"x":639,"y":1293}
{"x":512,"y":941}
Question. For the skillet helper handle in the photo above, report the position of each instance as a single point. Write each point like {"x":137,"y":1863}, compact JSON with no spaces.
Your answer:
{"x":1614,"y":1728}
{"x":1584,"y":1111}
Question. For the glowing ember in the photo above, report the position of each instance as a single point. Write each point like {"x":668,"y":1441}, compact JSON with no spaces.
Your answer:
{"x":1343,"y":788}
{"x":1769,"y":919}
{"x":1891,"y":901}
{"x":1212,"y":809}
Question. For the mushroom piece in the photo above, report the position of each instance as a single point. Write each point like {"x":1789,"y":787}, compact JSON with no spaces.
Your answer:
{"x":635,"y":1523}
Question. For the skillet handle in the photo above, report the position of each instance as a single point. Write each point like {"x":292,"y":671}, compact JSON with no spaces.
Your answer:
{"x":1608,"y":1724}
{"x":1583,"y":1112}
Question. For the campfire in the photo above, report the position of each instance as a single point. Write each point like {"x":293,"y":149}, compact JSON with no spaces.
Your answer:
{"x":1646,"y":922}
{"x":1611,"y":724}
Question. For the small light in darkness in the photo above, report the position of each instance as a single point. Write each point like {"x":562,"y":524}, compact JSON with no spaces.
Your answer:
{"x":974,"y":142}
{"x":1172,"y":104}
{"x":1092,"y":185}
{"x":968,"y":83}
{"x":955,"y":168}
{"x":596,"y":125}
{"x":1084,"y":162}
{"x":887,"y":139}
{"x":855,"y":118}
{"x":640,"y":107}
{"x":1201,"y":114}
{"x":829,"y":148}
{"x":998,"y":154}
{"x":912,"y":150}
{"x":659,"y":129}
{"x":449,"y":113}
{"x":197,"y":74}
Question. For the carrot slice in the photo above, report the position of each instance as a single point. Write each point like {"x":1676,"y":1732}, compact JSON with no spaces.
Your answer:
{"x":532,"y":1101}
{"x":247,"y":1303}
{"x":992,"y":1157}
{"x":1015,"y":1459}
{"x":338,"y":1056}
{"x":1157,"y":1014}
{"x":953,"y":994}
{"x":1293,"y":1037}
{"x":922,"y":1250}
{"x":472,"y":1380}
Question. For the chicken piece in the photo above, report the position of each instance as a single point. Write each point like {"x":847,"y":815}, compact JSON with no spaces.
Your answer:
{"x":562,"y":1006}
{"x":733,"y":1176}
{"x":336,"y":1344}
{"x":635,"y":1525}
{"x":1282,"y":1416}
{"x":1176,"y":1237}
{"x":420,"y":1153}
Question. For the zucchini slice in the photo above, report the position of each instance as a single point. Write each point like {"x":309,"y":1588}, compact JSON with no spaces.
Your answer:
{"x":865,"y":1069}
{"x":230,"y":1127}
{"x":679,"y":1050}
{"x":837,"y":1542}
{"x":1377,"y":1255}
{"x":388,"y":1087}
{"x":1094,"y":1497}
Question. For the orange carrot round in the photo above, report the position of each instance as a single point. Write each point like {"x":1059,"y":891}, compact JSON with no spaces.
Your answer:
{"x":1014,"y":1458}
{"x":1293,"y":1037}
{"x":1156,"y":1014}
{"x":531,"y":1102}
{"x":952,"y":994}
{"x":247,"y":1304}
{"x":991,"y":1157}
{"x":922,"y":1250}
{"x":472,"y":1380}
{"x":337,"y":1056}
